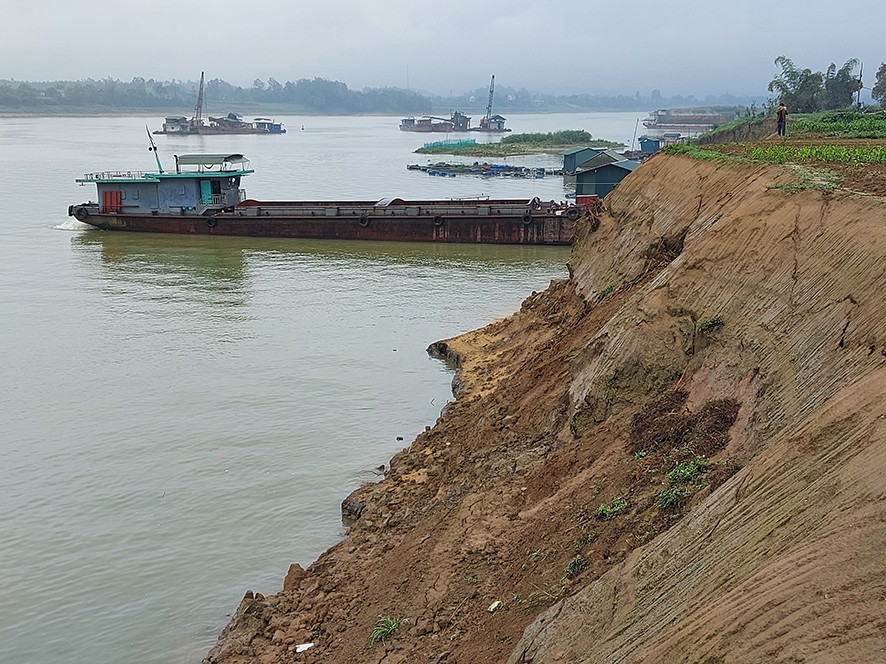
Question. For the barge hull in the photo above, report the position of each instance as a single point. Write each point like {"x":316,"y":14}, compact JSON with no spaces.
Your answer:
{"x":474,"y":229}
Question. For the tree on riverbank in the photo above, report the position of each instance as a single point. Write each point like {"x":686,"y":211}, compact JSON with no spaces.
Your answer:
{"x":805,"y":91}
{"x":878,"y":93}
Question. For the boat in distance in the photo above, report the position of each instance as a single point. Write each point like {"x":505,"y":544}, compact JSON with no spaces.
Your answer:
{"x":202,"y":195}
{"x":232,"y":123}
{"x":430,"y":123}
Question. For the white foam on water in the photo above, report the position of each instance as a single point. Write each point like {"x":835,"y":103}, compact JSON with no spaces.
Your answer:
{"x":72,"y":225}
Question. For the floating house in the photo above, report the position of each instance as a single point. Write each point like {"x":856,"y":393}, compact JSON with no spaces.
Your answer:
{"x":649,"y":145}
{"x":599,"y":180}
{"x":578,"y":159}
{"x":493,"y":124}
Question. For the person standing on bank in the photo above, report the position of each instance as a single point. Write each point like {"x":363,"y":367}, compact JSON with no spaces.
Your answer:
{"x":781,"y":118}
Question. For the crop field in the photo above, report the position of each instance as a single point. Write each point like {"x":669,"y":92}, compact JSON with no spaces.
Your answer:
{"x":846,"y":124}
{"x":844,"y":148}
{"x":787,"y":153}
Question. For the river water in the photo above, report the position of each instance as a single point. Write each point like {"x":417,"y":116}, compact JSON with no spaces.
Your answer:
{"x":182,"y":416}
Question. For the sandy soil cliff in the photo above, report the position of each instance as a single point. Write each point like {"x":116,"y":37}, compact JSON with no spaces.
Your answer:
{"x":677,"y":455}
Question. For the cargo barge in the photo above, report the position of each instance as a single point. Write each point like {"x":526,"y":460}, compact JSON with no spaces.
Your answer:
{"x":203,"y":196}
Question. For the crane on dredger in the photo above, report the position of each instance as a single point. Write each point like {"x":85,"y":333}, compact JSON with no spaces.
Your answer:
{"x":197,"y":120}
{"x":484,"y":122}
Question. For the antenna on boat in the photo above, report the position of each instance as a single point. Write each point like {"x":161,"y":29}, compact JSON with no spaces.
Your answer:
{"x":153,"y":149}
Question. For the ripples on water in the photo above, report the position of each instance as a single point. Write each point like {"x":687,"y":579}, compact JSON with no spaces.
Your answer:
{"x":183,"y":416}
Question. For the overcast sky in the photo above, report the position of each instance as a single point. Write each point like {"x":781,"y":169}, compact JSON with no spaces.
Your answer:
{"x":551,"y":46}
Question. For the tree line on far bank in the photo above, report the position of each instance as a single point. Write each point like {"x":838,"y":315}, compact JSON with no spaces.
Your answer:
{"x":315,"y":95}
{"x":803,"y":90}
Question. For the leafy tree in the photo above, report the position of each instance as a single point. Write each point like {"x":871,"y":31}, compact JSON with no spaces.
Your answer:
{"x":840,"y":85}
{"x":798,"y":88}
{"x":806,"y":91}
{"x":879,"y":90}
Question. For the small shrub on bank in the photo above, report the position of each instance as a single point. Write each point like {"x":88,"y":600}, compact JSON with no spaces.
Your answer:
{"x":385,"y":626}
{"x":605,"y":292}
{"x":575,"y":566}
{"x":687,"y":472}
{"x":705,"y":325}
{"x":608,"y":510}
{"x":678,"y":479}
{"x":671,"y":496}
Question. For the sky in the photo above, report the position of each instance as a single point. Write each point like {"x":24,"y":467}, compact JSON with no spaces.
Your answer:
{"x":549,"y":46}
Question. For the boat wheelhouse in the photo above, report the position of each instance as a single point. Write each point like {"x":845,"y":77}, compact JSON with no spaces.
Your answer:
{"x":200,"y":184}
{"x":269,"y":125}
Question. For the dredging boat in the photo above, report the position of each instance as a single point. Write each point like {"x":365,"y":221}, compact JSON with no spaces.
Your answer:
{"x":202,"y":195}
{"x":232,"y":123}
{"x":429,"y":123}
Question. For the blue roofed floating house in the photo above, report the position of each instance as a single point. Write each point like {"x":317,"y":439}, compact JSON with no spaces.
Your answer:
{"x":578,"y":158}
{"x":598,"y":180}
{"x":574,"y":157}
{"x":493,"y":124}
{"x":650,"y":144}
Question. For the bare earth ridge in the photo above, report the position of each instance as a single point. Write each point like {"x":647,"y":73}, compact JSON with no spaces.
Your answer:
{"x":676,"y":455}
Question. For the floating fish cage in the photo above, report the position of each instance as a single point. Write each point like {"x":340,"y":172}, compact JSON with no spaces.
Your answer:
{"x":451,"y":143}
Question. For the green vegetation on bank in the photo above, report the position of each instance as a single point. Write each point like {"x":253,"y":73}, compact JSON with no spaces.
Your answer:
{"x":696,"y":152}
{"x":385,"y":626}
{"x":531,"y":143}
{"x":844,"y":123}
{"x":850,"y":123}
{"x":804,"y":154}
{"x":847,"y":123}
{"x":813,"y":144}
{"x":179,"y":97}
{"x":564,"y":137}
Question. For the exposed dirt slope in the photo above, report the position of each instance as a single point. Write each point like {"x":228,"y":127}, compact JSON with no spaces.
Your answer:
{"x":676,"y":455}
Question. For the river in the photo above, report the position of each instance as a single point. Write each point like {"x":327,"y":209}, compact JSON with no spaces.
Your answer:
{"x":182,"y":416}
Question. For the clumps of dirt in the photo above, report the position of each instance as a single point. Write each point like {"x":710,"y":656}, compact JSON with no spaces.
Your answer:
{"x":710,"y":427}
{"x":666,"y":424}
{"x":661,"y":424}
{"x":664,"y":250}
{"x":675,"y":448}
{"x":624,"y":386}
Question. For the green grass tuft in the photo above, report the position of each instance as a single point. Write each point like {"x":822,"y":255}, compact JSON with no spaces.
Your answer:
{"x":385,"y":626}
{"x":705,"y":325}
{"x":608,"y":510}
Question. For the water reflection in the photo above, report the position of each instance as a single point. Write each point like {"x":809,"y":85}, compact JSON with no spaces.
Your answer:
{"x":197,"y":260}
{"x":224,"y":286}
{"x":223,"y":261}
